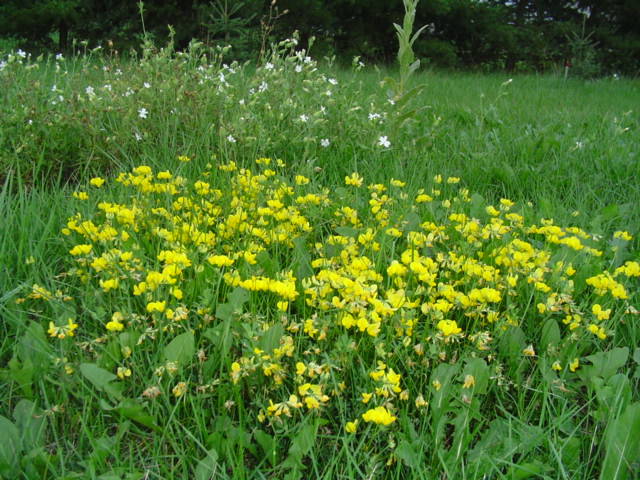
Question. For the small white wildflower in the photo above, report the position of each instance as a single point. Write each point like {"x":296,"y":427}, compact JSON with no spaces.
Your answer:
{"x":263,"y":86}
{"x":20,"y":53}
{"x":3,"y":64}
{"x":298,"y":68}
{"x":304,"y":118}
{"x":323,"y":109}
{"x":333,"y":81}
{"x":29,"y":122}
{"x":89,"y":91}
{"x":294,"y":41}
{"x":307,"y":60}
{"x":579,"y":145}
{"x":361,"y":64}
{"x":137,"y":136}
{"x":59,"y":56}
{"x":129,"y":92}
{"x":373,"y":116}
{"x":241,"y":101}
{"x":142,"y":113}
{"x":54,"y":89}
{"x":146,"y":85}
{"x":383,"y":142}
{"x":391,"y":102}
{"x":230,"y":139}
{"x":328,"y":93}
{"x":268,"y":66}
{"x":325,"y":142}
{"x":107,"y":87}
{"x":118,"y":72}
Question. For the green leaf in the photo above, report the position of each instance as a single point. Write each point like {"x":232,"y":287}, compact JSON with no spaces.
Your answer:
{"x":271,"y":338}
{"x":10,"y":448}
{"x":622,"y":445}
{"x":301,"y":258}
{"x":207,"y":468}
{"x":181,"y":349}
{"x":99,"y":377}
{"x":604,"y":364}
{"x":268,"y":445}
{"x":551,"y":335}
{"x":478,"y":368}
{"x":31,"y":422}
{"x":236,"y":298}
{"x":407,"y":452}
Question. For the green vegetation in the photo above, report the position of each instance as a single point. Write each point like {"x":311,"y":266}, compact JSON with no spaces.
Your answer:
{"x":213,"y":270}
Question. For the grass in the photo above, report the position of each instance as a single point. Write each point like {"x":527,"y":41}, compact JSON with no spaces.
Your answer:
{"x":230,"y":315}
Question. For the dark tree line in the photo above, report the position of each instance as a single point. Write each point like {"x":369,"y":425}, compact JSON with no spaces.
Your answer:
{"x":596,"y":36}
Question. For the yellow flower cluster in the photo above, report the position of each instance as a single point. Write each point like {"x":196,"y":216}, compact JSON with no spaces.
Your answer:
{"x":368,"y":272}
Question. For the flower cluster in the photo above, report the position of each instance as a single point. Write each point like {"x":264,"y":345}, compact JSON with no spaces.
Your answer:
{"x":324,"y":300}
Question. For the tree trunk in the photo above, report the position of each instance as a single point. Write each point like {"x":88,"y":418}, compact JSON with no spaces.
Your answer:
{"x":63,"y":40}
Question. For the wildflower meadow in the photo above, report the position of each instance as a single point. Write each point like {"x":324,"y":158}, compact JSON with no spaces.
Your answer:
{"x":293,"y":269}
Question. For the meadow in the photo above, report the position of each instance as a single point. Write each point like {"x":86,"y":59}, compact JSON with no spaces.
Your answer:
{"x":290,"y":269}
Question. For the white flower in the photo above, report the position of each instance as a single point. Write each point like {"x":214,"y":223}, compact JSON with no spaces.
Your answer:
{"x":328,"y":93}
{"x":89,"y":91}
{"x":304,"y":118}
{"x":137,"y":136}
{"x":373,"y":116}
{"x":579,"y":145}
{"x":383,"y":142}
{"x":146,"y":85}
{"x":298,"y":68}
{"x":230,"y":139}
{"x":107,"y":87}
{"x":59,"y":56}
{"x":54,"y":89}
{"x":333,"y":81}
{"x":3,"y":64}
{"x":241,"y":101}
{"x":30,"y":122}
{"x":268,"y":66}
{"x":391,"y":102}
{"x":20,"y":53}
{"x":142,"y":113}
{"x":325,"y":142}
{"x":128,"y":92}
{"x":263,"y":86}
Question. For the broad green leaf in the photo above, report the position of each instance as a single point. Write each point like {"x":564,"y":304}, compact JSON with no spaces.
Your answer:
{"x":99,"y":377}
{"x":622,"y":445}
{"x":477,"y":368}
{"x":236,"y":298}
{"x":207,"y":468}
{"x":271,"y":338}
{"x":550,"y":333}
{"x":181,"y":349}
{"x":10,"y":448}
{"x":408,"y":453}
{"x":268,"y":445}
{"x":604,"y":364}
{"x":31,"y":422}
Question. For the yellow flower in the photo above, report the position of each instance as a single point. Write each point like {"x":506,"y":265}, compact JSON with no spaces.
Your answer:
{"x":556,"y":366}
{"x":600,"y":314}
{"x":80,"y":250}
{"x":350,"y":427}
{"x":573,"y":366}
{"x":63,"y":331}
{"x":220,"y":260}
{"x":179,"y":389}
{"x":379,"y":416}
{"x":469,"y":381}
{"x":123,"y":372}
{"x":354,"y":179}
{"x":96,"y":181}
{"x":448,"y":327}
{"x":81,"y":195}
{"x":156,"y":306}
{"x":529,"y":351}
{"x":114,"y":326}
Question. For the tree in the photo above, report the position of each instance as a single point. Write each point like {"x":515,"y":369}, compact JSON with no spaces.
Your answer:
{"x":39,"y":20}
